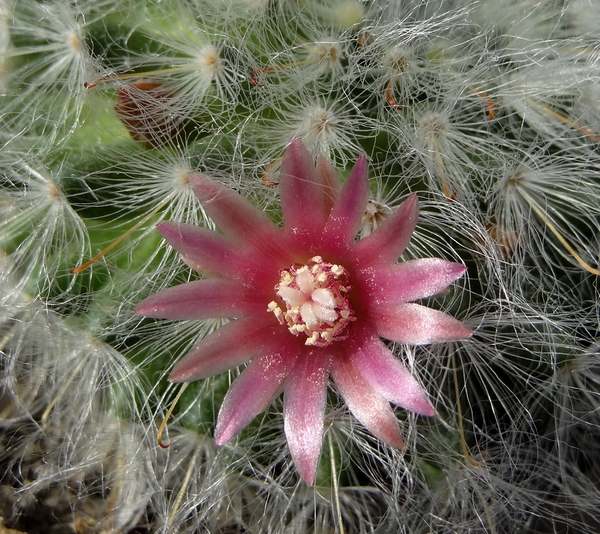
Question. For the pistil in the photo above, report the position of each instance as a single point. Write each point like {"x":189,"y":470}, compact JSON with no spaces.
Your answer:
{"x":316,"y":302}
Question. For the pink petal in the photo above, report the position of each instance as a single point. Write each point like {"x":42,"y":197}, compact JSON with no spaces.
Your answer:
{"x":231,"y":345}
{"x":417,"y":325}
{"x":213,"y":254}
{"x":331,"y":182}
{"x":305,"y":396}
{"x":348,"y":210}
{"x":388,"y":377}
{"x":302,"y":196}
{"x":368,"y":406}
{"x":236,"y":216}
{"x":202,"y":299}
{"x":253,"y":390}
{"x":389,"y":240}
{"x":410,"y":280}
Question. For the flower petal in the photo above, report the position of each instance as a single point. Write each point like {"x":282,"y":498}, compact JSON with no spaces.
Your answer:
{"x":331,"y":182}
{"x":417,"y":325}
{"x":253,"y":390}
{"x":388,"y":242}
{"x":212,"y":254}
{"x":410,"y":280}
{"x":302,"y":196}
{"x":368,"y":406}
{"x":236,"y":216}
{"x":305,"y":397}
{"x":202,"y":299}
{"x":349,"y":208}
{"x":231,"y":345}
{"x":388,"y":377}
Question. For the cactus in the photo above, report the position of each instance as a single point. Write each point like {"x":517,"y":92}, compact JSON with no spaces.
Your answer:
{"x":487,"y":111}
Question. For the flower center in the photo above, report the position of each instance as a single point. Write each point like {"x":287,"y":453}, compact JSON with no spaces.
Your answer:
{"x":316,"y":301}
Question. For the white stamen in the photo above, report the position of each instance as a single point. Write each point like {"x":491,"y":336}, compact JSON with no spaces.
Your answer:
{"x":304,"y":279}
{"x":324,"y":314}
{"x":273,"y":307}
{"x":312,"y":340}
{"x":308,"y":315}
{"x":292,"y":297}
{"x":324,"y":297}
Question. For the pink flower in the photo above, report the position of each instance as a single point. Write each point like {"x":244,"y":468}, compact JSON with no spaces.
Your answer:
{"x":306,"y":301}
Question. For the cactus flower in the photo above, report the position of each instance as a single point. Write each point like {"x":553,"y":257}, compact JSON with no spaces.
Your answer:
{"x":306,"y":302}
